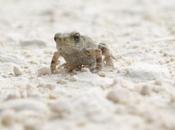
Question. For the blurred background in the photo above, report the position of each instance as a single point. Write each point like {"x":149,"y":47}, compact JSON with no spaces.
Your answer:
{"x":141,"y":34}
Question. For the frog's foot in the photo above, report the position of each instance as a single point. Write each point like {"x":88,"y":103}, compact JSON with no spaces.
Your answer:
{"x":107,"y":54}
{"x":70,"y":67}
{"x":55,"y":61}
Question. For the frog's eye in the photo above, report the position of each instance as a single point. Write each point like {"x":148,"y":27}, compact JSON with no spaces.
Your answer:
{"x":76,"y":36}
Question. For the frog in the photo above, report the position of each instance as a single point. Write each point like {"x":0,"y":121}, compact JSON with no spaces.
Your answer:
{"x":79,"y":51}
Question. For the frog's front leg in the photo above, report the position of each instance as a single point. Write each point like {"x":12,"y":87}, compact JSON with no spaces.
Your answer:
{"x":55,"y":61}
{"x":107,"y":54}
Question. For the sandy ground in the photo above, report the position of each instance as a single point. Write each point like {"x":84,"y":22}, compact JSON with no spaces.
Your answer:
{"x":139,"y":94}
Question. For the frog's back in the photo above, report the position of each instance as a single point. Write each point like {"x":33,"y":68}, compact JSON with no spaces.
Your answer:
{"x":87,"y":42}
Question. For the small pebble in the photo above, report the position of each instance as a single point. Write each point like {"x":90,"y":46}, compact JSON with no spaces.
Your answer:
{"x":43,"y":71}
{"x":145,"y":90}
{"x":73,"y":78}
{"x":52,"y":97}
{"x":8,"y":117}
{"x":101,"y":74}
{"x":61,"y":82}
{"x":61,"y":108}
{"x":85,"y":70}
{"x":17,"y":71}
{"x":158,"y":82}
{"x":33,"y":62}
{"x":119,"y":95}
{"x":50,"y":86}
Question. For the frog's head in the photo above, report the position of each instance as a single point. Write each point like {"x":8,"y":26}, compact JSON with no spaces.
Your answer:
{"x":67,"y":39}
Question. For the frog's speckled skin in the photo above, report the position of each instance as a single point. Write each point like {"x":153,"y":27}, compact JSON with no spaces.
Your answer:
{"x":79,"y":51}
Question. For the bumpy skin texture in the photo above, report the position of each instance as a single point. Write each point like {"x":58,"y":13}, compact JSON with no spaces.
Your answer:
{"x":79,"y":51}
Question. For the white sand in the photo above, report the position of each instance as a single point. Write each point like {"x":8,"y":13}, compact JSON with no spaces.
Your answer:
{"x":138,"y":95}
